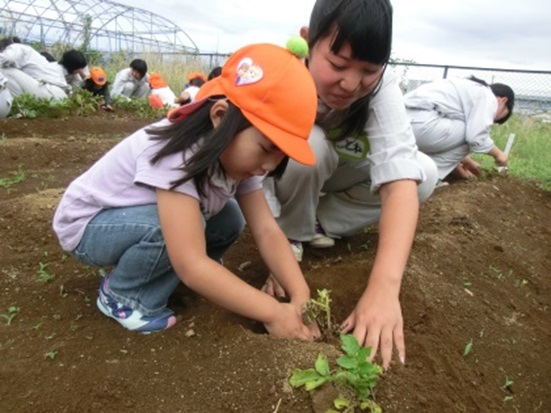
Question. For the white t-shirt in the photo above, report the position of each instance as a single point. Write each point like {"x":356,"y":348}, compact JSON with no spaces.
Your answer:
{"x":124,"y":177}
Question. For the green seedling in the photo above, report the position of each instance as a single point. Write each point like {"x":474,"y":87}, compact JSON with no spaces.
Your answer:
{"x":468,"y":348}
{"x":43,"y":275}
{"x":51,"y":354}
{"x":12,"y":312}
{"x":319,"y":310}
{"x":499,"y":274}
{"x":354,"y":376}
{"x":16,"y":178}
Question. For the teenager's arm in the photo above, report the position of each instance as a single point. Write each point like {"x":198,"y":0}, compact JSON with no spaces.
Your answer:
{"x":183,"y":232}
{"x":377,"y":319}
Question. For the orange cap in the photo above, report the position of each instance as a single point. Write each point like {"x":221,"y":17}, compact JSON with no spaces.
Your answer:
{"x":156,"y":81}
{"x":194,"y":75}
{"x":98,"y":75}
{"x":274,"y":91}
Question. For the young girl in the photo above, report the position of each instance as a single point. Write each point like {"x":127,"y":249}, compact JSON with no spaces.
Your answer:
{"x":453,"y":117}
{"x":159,"y":208}
{"x":367,"y":164}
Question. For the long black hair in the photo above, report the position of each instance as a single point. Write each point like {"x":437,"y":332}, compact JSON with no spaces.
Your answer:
{"x":366,"y":25}
{"x":500,"y":90}
{"x":197,"y":132}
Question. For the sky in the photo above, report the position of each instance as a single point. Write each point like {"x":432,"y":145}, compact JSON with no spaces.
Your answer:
{"x":508,"y":34}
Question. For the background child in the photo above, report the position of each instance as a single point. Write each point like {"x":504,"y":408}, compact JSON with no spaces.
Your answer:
{"x":159,"y":206}
{"x":367,"y":165}
{"x":97,"y":84}
{"x":453,"y":117}
{"x":196,"y":80}
{"x":161,"y":94}
{"x":132,"y":82}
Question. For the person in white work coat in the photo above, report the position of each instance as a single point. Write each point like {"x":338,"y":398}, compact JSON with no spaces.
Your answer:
{"x":28,"y":71}
{"x":5,"y":97}
{"x":132,"y":82}
{"x":452,"y":118}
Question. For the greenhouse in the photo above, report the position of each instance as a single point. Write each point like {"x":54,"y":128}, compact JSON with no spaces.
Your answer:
{"x":101,"y":25}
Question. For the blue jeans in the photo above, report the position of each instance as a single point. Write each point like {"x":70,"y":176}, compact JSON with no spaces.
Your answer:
{"x":131,"y":240}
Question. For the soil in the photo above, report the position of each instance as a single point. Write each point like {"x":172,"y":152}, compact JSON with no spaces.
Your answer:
{"x":479,"y":272}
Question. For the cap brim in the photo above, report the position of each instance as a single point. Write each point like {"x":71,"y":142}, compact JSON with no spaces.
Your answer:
{"x":183,"y":112}
{"x":295,"y":147}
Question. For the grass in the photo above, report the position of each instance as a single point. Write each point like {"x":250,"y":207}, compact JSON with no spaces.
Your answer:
{"x":530,"y":156}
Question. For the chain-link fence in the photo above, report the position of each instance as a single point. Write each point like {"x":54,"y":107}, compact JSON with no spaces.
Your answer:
{"x":532,"y":87}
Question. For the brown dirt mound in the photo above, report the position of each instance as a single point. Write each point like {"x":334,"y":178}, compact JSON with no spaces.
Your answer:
{"x":479,"y":270}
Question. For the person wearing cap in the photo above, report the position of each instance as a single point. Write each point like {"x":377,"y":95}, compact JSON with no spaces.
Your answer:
{"x":29,"y":72}
{"x":97,"y":84}
{"x":196,"y":80}
{"x":164,"y":204}
{"x":132,"y":82}
{"x":161,"y":95}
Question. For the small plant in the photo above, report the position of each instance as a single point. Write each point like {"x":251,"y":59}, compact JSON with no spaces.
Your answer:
{"x":43,"y":275}
{"x":354,"y":376}
{"x":468,"y":348}
{"x":319,"y":310}
{"x":16,"y":178}
{"x":50,"y":354}
{"x":12,"y":312}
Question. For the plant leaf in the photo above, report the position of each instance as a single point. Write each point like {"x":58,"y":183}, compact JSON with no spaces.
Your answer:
{"x":350,"y":344}
{"x":341,"y":402}
{"x":311,"y":385}
{"x":468,"y":348}
{"x":322,"y":365}
{"x":347,"y":362}
{"x":301,"y":377}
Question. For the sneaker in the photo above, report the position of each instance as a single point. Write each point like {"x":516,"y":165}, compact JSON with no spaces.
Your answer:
{"x":320,"y":239}
{"x":440,"y":184}
{"x":132,"y":319}
{"x":296,"y":246}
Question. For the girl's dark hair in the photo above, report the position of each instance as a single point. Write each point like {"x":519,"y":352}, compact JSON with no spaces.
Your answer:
{"x":139,"y":66}
{"x":500,"y":90}
{"x":72,"y":60}
{"x":366,"y":25}
{"x":197,"y":131}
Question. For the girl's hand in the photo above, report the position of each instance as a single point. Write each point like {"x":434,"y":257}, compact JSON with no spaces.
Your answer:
{"x":377,"y":323}
{"x":273,"y":287}
{"x":287,"y":323}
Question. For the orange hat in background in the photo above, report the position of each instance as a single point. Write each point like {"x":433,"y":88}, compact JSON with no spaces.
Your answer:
{"x":156,"y":81}
{"x":97,"y":74}
{"x":275,"y":92}
{"x":194,"y":75}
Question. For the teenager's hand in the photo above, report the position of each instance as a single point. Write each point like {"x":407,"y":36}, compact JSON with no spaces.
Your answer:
{"x":377,"y":323}
{"x":471,"y":166}
{"x":287,"y":323}
{"x":501,"y":159}
{"x":273,"y":287}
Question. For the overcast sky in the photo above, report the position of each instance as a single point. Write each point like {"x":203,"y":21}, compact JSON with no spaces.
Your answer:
{"x":509,"y":34}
